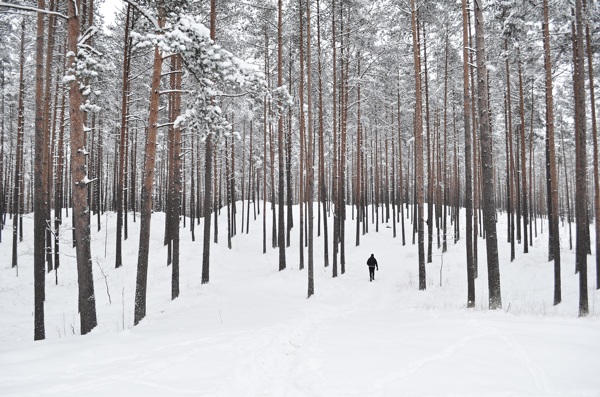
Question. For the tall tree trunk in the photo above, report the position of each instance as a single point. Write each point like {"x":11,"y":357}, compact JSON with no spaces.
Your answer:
{"x":176,"y":177}
{"x":552,"y":184}
{"x":475,"y":140}
{"x":148,"y":183}
{"x":79,"y":188}
{"x":489,"y":208}
{"x":2,"y":164}
{"x":445,"y":194}
{"x":193,"y":178}
{"x":429,"y":156}
{"x":595,"y":154}
{"x":301,"y":180}
{"x":208,"y":160}
{"x":344,"y":60}
{"x":511,"y":168}
{"x":400,"y":173}
{"x":40,"y":182}
{"x":310,"y":168}
{"x":335,"y":144}
{"x":523,"y":161}
{"x":468,"y":166}
{"x":47,"y":128}
{"x":357,"y":188}
{"x":123,"y":138}
{"x":59,"y":189}
{"x":17,"y":191}
{"x":281,"y":148}
{"x":418,"y":148}
{"x":580,"y":159}
{"x":322,"y":185}
{"x":288,"y":160}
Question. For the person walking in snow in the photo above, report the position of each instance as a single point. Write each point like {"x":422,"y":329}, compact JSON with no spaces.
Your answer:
{"x":372,"y":263}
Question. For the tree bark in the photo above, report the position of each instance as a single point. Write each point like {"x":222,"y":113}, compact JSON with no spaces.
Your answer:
{"x":40,"y":183}
{"x":468,"y":166}
{"x":148,"y":184}
{"x":18,"y":170}
{"x":524,"y":210}
{"x":301,"y":177}
{"x":418,"y":148}
{"x":580,"y":159}
{"x":47,"y":160}
{"x":595,"y":153}
{"x":335,"y":144}
{"x":176,"y":177}
{"x":281,"y":174}
{"x":552,"y":191}
{"x":489,"y":208}
{"x":208,"y":160}
{"x":123,"y":138}
{"x":79,"y":188}
{"x":322,"y":185}
{"x":310,"y":168}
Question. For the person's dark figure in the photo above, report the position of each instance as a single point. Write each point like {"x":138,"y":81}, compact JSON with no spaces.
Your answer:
{"x":372,"y":263}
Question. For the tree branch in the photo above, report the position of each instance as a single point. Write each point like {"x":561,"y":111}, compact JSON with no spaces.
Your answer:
{"x":34,"y":9}
{"x":145,"y":13}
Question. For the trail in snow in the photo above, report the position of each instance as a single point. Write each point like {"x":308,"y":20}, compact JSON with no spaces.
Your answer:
{"x":252,"y":332}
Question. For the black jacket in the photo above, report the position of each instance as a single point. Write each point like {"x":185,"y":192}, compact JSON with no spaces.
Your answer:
{"x":372,"y":262}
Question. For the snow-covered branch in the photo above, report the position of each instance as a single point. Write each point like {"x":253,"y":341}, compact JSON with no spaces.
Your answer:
{"x":33,"y":9}
{"x":145,"y":13}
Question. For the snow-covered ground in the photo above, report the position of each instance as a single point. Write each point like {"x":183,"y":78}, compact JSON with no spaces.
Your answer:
{"x":252,"y":332}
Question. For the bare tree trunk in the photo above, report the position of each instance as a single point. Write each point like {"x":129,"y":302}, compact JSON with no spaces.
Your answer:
{"x":123,"y":137}
{"x":358,"y":158}
{"x":445,"y":194}
{"x":193,"y":177}
{"x":40,"y":181}
{"x":400,"y":173}
{"x":344,"y":60}
{"x":232,"y":187}
{"x":79,"y":188}
{"x":310,"y":174}
{"x":17,"y":191}
{"x":595,"y":154}
{"x":581,"y":159}
{"x":148,"y":183}
{"x":176,"y":177}
{"x":511,"y":169}
{"x":322,"y":185}
{"x":265,"y":148}
{"x":301,"y":180}
{"x":281,"y":148}
{"x":523,"y":161}
{"x":489,"y":208}
{"x":335,"y":144}
{"x":3,"y":183}
{"x":46,"y":127}
{"x":429,"y":156}
{"x":475,"y":204}
{"x":59,"y":189}
{"x":250,"y":181}
{"x":418,"y":148}
{"x":208,"y":160}
{"x":468,"y":166}
{"x":216,"y":191}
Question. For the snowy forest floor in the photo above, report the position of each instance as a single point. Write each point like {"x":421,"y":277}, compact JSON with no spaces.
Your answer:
{"x":252,"y":332}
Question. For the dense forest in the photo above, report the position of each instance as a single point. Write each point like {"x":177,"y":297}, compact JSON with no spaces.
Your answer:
{"x":387,"y":113}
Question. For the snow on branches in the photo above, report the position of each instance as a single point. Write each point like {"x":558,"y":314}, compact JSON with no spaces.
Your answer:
{"x":218,"y":73}
{"x":85,"y":68}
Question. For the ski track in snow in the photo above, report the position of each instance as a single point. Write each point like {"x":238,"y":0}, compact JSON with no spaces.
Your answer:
{"x":251,"y":332}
